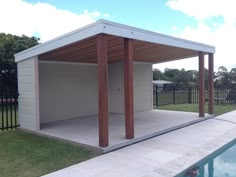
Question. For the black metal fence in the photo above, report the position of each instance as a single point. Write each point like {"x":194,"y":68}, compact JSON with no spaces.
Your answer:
{"x":8,"y":97}
{"x":178,"y":95}
{"x":8,"y":109}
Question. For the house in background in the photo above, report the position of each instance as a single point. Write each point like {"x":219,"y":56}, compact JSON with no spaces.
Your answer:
{"x":162,"y":84}
{"x":101,"y":69}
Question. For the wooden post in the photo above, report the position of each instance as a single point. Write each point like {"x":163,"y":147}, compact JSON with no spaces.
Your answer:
{"x":201,"y":85}
{"x":211,"y":83}
{"x":128,"y":88}
{"x":102,"y":62}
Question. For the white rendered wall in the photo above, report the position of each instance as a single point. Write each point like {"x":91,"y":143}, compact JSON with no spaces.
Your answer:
{"x":142,"y":87}
{"x":143,"y":100}
{"x":115,"y":82}
{"x":67,"y":90}
{"x":28,"y":94}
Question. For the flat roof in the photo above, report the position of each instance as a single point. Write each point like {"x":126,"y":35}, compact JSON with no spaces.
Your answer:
{"x":118,"y":31}
{"x":161,"y":82}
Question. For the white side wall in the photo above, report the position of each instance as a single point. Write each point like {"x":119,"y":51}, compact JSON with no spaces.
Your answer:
{"x":115,"y":82}
{"x":67,"y":90}
{"x":143,"y":99}
{"x":28,"y":93}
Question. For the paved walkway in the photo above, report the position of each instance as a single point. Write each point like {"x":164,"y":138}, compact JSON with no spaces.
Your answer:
{"x":162,"y":156}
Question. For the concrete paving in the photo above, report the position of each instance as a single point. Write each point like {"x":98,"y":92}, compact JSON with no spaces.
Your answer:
{"x":84,"y":130}
{"x":163,"y":156}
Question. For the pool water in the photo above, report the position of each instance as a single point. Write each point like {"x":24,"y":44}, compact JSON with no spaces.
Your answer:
{"x":222,"y":163}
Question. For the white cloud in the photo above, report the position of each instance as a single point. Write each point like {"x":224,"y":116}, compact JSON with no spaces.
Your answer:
{"x":94,"y":14}
{"x":223,"y":36}
{"x":202,"y":9}
{"x":19,"y":17}
{"x":174,"y":28}
{"x":106,"y":15}
{"x":223,"y":168}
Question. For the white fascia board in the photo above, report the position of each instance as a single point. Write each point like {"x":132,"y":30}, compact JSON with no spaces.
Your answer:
{"x":107,"y":27}
{"x":74,"y":36}
{"x":148,"y":36}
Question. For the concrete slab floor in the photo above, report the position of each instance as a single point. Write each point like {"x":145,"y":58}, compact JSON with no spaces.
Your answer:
{"x":84,"y":130}
{"x":162,"y":156}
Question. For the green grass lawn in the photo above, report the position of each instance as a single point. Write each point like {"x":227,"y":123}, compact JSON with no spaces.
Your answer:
{"x":27,"y":155}
{"x":219,"y":109}
{"x":167,"y":98}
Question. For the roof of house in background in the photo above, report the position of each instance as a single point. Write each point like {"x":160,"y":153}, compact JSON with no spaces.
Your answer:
{"x":80,"y":45}
{"x":161,"y":82}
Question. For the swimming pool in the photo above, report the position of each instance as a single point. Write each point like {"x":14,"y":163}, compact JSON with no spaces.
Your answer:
{"x":221,"y":163}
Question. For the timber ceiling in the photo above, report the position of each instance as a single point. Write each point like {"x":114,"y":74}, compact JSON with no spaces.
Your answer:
{"x":85,"y":52}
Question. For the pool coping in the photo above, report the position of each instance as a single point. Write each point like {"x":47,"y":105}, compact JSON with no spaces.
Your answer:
{"x":190,"y":159}
{"x":210,"y":157}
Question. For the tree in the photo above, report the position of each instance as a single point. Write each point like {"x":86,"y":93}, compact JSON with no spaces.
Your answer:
{"x":222,"y":76}
{"x":232,"y":75}
{"x":9,"y":45}
{"x":193,"y":76}
{"x":181,"y":77}
{"x":158,"y":75}
{"x":171,"y":73}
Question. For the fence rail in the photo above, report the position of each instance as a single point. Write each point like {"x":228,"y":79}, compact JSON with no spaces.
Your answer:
{"x":8,"y":109}
{"x":174,"y":95}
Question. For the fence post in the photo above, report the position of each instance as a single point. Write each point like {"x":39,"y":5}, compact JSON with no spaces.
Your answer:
{"x":156,"y":95}
{"x":190,"y":95}
{"x":173,"y":94}
{"x":2,"y":110}
{"x":15,"y":108}
{"x":196,"y":94}
{"x":197,"y":91}
{"x":227,"y":88}
{"x":6,"y":101}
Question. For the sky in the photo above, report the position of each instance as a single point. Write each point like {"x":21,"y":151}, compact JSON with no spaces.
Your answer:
{"x":211,"y":22}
